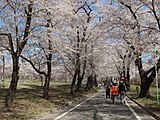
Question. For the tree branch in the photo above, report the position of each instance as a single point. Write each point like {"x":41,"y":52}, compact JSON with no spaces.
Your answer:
{"x":9,"y":39}
{"x":33,"y":66}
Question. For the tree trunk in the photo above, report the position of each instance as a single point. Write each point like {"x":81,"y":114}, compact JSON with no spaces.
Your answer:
{"x":147,"y":81}
{"x":138,"y":63}
{"x":140,"y":68}
{"x":73,"y":82}
{"x":46,"y":88}
{"x":79,"y":83}
{"x":48,"y":77}
{"x":127,"y":82}
{"x":77,"y":73}
{"x":47,"y":80}
{"x":89,"y":84}
{"x":123,"y":72}
{"x":15,"y":56}
{"x":78,"y":78}
{"x":14,"y":81}
{"x":41,"y":81}
{"x":77,"y":65}
{"x":95,"y":81}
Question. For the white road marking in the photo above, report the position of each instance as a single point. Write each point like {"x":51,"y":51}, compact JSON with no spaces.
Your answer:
{"x":134,"y":113}
{"x":74,"y":108}
{"x":70,"y":109}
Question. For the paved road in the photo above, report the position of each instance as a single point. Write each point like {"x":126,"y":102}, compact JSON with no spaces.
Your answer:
{"x":99,"y":108}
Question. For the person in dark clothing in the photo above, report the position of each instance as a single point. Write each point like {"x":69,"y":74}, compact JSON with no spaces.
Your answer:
{"x":122,"y":91}
{"x":107,"y":91}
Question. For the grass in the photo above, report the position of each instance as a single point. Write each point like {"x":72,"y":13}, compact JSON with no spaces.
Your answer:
{"x":150,"y":102}
{"x":28,"y":100}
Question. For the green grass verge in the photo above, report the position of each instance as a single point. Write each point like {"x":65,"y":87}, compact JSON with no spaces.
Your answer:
{"x":28,"y":101}
{"x":150,"y":102}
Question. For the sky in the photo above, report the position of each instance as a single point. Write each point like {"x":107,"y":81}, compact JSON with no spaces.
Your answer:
{"x":146,"y":57}
{"x":1,"y":23}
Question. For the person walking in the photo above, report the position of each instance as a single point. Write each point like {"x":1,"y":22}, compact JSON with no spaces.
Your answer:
{"x":114,"y":91}
{"x":122,"y":91}
{"x":107,"y":91}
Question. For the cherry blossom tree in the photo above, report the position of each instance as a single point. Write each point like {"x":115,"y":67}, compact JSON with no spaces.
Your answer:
{"x":21,"y":21}
{"x":75,"y":35}
{"x":17,"y":17}
{"x":135,"y":30}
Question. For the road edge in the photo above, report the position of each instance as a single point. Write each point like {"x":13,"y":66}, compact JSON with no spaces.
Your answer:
{"x":61,"y":111}
{"x":146,"y":109}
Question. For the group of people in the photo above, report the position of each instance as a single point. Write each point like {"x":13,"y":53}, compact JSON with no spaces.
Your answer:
{"x":116,"y":88}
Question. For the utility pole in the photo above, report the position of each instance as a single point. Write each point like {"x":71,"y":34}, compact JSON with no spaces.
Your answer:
{"x":156,"y":78}
{"x":3,"y":59}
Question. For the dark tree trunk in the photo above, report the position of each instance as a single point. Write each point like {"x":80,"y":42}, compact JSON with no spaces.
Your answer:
{"x":14,"y":81}
{"x":15,"y":56}
{"x":148,"y":80}
{"x":138,"y":63}
{"x":78,"y":78}
{"x":79,"y":83}
{"x":140,"y":68}
{"x":124,"y":74}
{"x":76,"y":74}
{"x":89,"y":84}
{"x":77,"y":65}
{"x":46,"y":88}
{"x":84,"y":39}
{"x":41,"y":81}
{"x":128,"y":76}
{"x":73,"y":82}
{"x":95,"y":81}
{"x":48,"y":77}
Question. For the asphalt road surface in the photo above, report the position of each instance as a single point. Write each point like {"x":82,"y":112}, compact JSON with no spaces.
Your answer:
{"x":98,"y":107}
